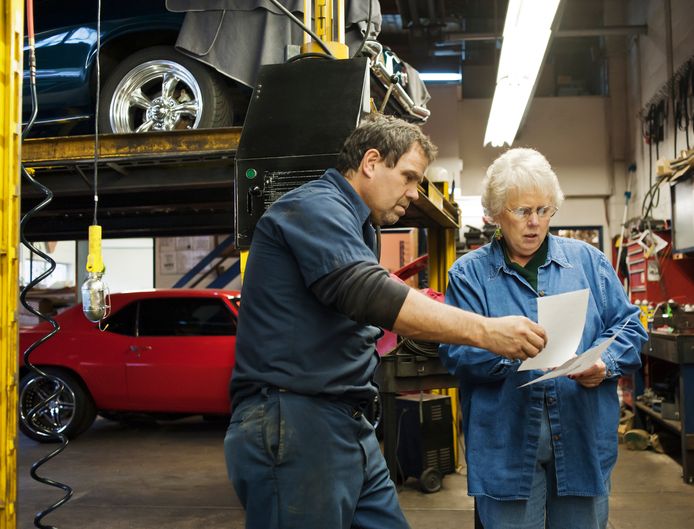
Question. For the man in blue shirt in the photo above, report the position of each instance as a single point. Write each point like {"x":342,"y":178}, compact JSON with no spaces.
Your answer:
{"x":538,"y":457}
{"x":299,"y":451}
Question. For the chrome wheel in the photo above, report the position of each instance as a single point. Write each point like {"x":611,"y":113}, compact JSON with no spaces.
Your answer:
{"x":56,"y":403}
{"x":55,"y":414}
{"x":156,"y":95}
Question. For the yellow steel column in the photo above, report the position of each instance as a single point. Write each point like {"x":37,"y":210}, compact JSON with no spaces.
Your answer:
{"x":10,"y":120}
{"x":324,"y":27}
{"x":441,"y":248}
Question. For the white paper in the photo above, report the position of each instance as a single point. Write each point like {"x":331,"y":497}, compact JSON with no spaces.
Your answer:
{"x":577,"y":364}
{"x":563,"y":317}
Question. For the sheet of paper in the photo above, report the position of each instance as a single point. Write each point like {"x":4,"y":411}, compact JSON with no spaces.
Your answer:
{"x":563,"y":317}
{"x":577,"y":364}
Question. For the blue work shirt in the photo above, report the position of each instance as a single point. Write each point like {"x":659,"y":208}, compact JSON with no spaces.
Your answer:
{"x":501,"y":422}
{"x":286,"y":338}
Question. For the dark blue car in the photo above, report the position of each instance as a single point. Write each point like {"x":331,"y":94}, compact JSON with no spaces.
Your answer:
{"x":145,"y":83}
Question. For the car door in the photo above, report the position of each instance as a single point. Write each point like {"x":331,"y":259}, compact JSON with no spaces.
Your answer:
{"x":184,"y":355}
{"x":101,"y":356}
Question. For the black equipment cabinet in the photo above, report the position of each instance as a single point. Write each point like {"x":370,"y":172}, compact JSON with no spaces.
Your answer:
{"x":298,"y":118}
{"x":425,"y":438}
{"x":400,"y":373}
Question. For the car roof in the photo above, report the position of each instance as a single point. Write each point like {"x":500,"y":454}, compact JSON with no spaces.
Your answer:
{"x":176,"y":293}
{"x":120,"y":299}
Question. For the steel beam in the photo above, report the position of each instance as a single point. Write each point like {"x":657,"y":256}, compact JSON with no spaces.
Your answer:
{"x":11,"y":41}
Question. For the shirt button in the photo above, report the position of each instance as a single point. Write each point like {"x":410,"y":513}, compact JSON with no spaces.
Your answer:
{"x":541,"y":292}
{"x":556,"y":437}
{"x":550,"y":400}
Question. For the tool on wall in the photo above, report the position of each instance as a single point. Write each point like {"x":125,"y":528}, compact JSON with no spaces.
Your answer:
{"x":675,"y":95}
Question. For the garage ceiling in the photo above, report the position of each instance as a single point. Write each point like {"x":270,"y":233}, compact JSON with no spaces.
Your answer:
{"x":456,"y":35}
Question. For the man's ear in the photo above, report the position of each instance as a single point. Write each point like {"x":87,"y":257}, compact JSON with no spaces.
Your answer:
{"x":368,"y":162}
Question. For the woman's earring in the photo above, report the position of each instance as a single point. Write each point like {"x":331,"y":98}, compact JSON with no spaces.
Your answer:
{"x":497,"y":233}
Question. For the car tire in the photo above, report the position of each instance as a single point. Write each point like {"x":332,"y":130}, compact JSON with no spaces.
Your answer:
{"x":138,"y":96}
{"x":71,"y":413}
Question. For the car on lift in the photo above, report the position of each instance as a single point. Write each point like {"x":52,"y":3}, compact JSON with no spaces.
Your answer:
{"x":163,"y":353}
{"x":146,"y":84}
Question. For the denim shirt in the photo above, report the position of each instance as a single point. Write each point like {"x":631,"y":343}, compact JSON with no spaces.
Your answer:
{"x":501,"y":422}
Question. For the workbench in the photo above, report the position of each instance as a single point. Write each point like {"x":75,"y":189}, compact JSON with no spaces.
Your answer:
{"x":676,"y":349}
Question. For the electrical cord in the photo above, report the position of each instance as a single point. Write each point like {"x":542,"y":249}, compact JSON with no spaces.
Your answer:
{"x":399,"y":468}
{"x":96,"y":303}
{"x":309,"y":55}
{"x":418,"y":347}
{"x":651,"y":199}
{"x":96,"y":109}
{"x":58,"y":388}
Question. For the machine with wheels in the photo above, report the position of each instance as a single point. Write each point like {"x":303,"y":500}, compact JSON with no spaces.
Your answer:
{"x":425,"y":438}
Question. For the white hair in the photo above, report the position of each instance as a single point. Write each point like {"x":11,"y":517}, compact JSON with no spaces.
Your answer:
{"x":521,"y":170}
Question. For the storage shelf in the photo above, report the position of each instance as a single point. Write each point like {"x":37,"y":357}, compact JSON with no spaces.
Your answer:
{"x":675,"y":426}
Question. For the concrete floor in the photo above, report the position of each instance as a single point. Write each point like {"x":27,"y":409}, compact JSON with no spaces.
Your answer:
{"x":172,"y":475}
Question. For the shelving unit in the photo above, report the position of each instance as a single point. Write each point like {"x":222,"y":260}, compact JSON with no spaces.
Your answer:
{"x":676,"y":349}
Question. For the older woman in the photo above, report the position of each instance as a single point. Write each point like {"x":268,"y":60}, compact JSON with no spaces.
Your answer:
{"x":539,"y":456}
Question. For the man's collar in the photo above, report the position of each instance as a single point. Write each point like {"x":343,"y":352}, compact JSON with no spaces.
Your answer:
{"x":338,"y":180}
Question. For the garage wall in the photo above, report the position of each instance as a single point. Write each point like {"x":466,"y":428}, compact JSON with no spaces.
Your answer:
{"x":129,"y":263}
{"x":593,"y":143}
{"x":176,"y":256}
{"x":572,"y":132}
{"x":647,"y":70}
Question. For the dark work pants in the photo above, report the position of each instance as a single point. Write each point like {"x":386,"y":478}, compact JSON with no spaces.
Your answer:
{"x":300,"y":462}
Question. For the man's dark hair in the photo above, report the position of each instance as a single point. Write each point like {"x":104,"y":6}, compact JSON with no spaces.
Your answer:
{"x":391,"y":136}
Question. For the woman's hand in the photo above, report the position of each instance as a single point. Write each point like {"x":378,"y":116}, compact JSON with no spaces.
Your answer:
{"x":593,"y":376}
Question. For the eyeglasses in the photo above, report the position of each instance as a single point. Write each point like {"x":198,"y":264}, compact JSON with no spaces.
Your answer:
{"x":543,"y":212}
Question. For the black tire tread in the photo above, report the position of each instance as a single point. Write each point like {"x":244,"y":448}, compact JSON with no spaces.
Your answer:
{"x":221,"y":103}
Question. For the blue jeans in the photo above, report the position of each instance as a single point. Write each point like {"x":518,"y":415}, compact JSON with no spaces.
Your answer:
{"x":300,"y":462}
{"x":544,"y":508}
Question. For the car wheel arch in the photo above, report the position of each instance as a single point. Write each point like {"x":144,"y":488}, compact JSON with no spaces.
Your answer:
{"x":24,"y":370}
{"x":118,"y":47}
{"x":211,"y":104}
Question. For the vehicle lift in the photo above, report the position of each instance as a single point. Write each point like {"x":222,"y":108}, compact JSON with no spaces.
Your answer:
{"x":431,"y":210}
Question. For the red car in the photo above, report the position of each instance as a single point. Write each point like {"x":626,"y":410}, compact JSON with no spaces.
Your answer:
{"x":160,"y":352}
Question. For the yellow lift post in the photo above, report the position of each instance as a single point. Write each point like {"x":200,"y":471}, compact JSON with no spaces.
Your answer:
{"x":441,"y":249}
{"x":11,"y":55}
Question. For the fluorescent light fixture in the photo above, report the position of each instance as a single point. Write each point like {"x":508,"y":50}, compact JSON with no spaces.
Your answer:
{"x":440,"y":77}
{"x":526,"y":35}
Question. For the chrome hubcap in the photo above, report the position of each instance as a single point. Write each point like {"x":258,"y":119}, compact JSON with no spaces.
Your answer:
{"x":54,"y":415}
{"x":156,"y":95}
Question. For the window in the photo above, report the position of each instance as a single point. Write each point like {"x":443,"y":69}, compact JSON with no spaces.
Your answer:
{"x":123,"y":321}
{"x":590,"y":234}
{"x":185,"y":317}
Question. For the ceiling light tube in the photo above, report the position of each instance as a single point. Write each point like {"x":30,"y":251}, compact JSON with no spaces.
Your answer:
{"x":526,"y":35}
{"x":441,"y":77}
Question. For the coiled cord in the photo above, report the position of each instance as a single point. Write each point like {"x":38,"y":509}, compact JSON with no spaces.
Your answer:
{"x":419,"y":348}
{"x":58,"y":386}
